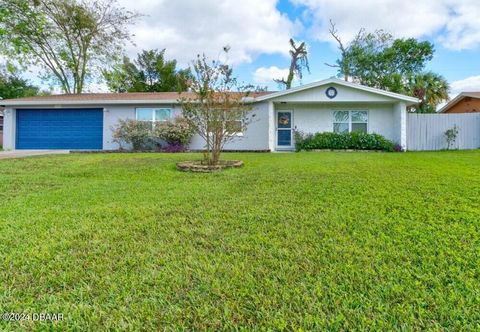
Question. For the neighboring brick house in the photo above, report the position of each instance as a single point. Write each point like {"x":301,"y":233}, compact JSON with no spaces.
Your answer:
{"x":465,"y":102}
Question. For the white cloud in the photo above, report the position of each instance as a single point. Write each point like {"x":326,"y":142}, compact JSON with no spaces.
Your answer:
{"x":267,"y":75}
{"x":468,"y":84}
{"x":190,"y":27}
{"x":453,"y":23}
{"x":463,"y":25}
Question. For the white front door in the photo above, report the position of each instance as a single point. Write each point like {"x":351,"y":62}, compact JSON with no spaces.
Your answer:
{"x":284,"y":130}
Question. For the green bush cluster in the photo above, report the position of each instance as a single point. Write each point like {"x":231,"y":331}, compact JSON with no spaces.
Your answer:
{"x":342,"y":141}
{"x":133,"y":132}
{"x":176,"y":132}
{"x":141,"y":136}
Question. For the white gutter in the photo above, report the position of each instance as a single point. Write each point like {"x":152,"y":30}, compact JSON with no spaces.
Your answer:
{"x":60,"y":103}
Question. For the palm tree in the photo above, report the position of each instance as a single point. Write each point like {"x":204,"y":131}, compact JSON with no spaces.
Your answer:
{"x":431,"y":88}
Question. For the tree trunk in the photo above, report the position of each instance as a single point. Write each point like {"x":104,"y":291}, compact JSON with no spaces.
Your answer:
{"x":216,"y":149}
{"x":215,"y":157}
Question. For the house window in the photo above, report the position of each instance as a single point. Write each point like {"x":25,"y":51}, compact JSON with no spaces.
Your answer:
{"x":348,"y":121}
{"x":153,"y":115}
{"x":234,"y":127}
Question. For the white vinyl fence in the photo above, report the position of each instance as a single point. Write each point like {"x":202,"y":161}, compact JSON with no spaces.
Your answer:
{"x":427,"y":131}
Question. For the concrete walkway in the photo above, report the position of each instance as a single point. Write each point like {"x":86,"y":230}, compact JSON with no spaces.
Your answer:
{"x":29,"y":153}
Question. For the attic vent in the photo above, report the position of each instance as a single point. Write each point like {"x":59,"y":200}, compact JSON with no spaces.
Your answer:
{"x":331,"y":92}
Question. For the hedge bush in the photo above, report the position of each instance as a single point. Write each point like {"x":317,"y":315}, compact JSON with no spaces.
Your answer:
{"x":133,"y":132}
{"x":177,"y":132}
{"x":342,"y":141}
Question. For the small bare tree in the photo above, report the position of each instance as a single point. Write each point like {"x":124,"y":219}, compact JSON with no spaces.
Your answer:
{"x":299,"y":61}
{"x":219,"y":106}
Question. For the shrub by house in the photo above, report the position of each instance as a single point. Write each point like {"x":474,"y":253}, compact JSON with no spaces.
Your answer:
{"x":176,"y":133}
{"x":342,"y":141}
{"x":133,"y":132}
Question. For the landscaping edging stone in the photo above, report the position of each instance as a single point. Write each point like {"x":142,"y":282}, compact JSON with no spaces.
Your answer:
{"x":199,"y":167}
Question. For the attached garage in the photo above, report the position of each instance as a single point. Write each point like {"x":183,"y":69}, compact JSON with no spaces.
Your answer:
{"x":69,"y":129}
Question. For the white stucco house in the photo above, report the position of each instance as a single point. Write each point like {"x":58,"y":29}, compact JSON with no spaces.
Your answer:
{"x":85,"y":121}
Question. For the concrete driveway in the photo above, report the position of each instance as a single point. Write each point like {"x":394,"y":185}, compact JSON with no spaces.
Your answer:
{"x":29,"y":153}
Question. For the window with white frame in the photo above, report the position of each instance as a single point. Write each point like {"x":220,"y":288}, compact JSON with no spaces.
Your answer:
{"x":153,"y":115}
{"x":348,"y":121}
{"x":236,"y":127}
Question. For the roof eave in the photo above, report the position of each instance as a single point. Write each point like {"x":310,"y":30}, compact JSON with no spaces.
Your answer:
{"x":59,"y":103}
{"x":14,"y":103}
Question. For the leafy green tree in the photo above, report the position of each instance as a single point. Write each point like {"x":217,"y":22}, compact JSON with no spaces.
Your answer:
{"x":13,"y":86}
{"x":69,"y":39}
{"x":298,"y":62}
{"x":379,"y":60}
{"x":122,"y":77}
{"x":343,"y":64}
{"x":150,"y":72}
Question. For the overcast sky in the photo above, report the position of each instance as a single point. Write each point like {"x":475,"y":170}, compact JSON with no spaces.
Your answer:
{"x":258,"y":32}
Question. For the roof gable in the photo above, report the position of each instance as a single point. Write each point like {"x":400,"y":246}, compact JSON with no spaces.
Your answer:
{"x":458,"y":99}
{"x":346,"y":92}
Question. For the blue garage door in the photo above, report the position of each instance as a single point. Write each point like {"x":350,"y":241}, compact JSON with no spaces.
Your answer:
{"x":59,"y":129}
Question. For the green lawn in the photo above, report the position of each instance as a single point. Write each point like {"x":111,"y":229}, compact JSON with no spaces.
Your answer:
{"x":336,"y":241}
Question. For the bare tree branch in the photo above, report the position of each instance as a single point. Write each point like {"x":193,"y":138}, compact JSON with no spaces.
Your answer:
{"x":344,"y":66}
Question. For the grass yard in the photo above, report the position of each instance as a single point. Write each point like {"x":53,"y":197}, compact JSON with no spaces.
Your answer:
{"x":310,"y":241}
